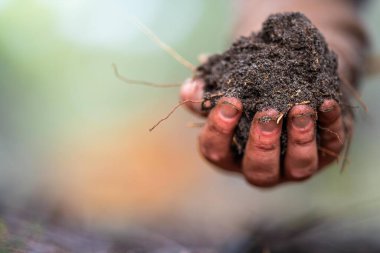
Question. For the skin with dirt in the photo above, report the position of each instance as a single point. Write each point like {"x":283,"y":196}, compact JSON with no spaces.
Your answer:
{"x":285,"y":64}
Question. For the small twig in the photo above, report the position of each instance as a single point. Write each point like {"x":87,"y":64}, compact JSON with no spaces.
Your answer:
{"x":220,"y":94}
{"x":189,"y":101}
{"x":267,"y":118}
{"x":303,"y":103}
{"x":281,"y":115}
{"x":130,"y":81}
{"x":152,"y":36}
{"x":332,"y":132}
{"x":330,"y":153}
{"x":236,"y":143}
{"x":173,"y":110}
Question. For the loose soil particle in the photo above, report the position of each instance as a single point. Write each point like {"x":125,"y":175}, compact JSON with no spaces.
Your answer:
{"x":286,"y":63}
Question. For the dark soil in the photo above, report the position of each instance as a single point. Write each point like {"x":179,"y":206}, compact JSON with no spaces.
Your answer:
{"x":287,"y":63}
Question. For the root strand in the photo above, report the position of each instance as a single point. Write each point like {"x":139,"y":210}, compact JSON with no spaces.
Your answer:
{"x":152,"y":36}
{"x":173,"y":110}
{"x":332,"y":132}
{"x":330,"y":153}
{"x":131,"y":81}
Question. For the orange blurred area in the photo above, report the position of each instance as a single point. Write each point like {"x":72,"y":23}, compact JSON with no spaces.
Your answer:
{"x":125,"y":172}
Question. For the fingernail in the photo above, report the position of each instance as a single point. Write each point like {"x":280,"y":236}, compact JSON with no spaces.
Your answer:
{"x":267,"y":124}
{"x":302,"y":121}
{"x":228,"y":110}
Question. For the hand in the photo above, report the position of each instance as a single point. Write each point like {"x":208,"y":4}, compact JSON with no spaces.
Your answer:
{"x":261,"y":162}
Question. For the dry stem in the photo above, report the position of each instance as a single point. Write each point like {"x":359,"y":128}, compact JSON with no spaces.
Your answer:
{"x":185,"y":102}
{"x":173,"y":110}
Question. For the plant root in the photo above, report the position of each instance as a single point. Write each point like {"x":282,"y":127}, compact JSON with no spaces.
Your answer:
{"x":138,"y":82}
{"x":332,"y":132}
{"x":152,"y":36}
{"x":185,"y":102}
{"x":173,"y":110}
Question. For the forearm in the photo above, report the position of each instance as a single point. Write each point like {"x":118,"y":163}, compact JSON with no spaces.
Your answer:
{"x":338,"y":20}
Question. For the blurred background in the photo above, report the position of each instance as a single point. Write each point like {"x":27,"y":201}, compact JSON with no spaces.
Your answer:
{"x":74,"y":140}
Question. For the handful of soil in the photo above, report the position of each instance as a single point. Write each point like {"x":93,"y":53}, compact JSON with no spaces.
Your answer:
{"x":287,"y":63}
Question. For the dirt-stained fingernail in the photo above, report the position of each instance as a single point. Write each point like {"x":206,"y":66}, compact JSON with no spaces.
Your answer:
{"x":302,"y":121}
{"x":228,"y":110}
{"x":267,"y":124}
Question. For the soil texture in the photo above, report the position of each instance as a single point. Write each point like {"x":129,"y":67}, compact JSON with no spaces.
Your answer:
{"x":287,"y":63}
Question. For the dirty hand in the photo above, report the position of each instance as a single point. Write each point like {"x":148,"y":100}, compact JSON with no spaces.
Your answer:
{"x":261,"y":164}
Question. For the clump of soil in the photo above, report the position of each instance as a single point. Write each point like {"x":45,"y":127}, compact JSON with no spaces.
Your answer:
{"x":287,"y":63}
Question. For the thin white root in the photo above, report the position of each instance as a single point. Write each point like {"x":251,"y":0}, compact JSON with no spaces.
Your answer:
{"x":152,"y":36}
{"x":137,"y":82}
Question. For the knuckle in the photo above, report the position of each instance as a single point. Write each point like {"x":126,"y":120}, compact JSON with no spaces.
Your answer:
{"x":211,"y":152}
{"x":304,"y":140}
{"x":215,"y":127}
{"x":214,"y":157}
{"x":264,"y":146}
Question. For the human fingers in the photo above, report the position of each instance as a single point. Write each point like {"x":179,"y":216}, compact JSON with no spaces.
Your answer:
{"x":332,"y":134}
{"x":216,"y":136}
{"x":261,"y":162}
{"x":301,"y":158}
